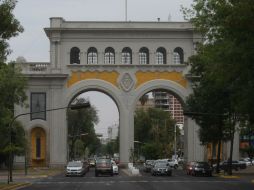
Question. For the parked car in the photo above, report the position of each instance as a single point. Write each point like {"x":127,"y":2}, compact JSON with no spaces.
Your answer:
{"x":161,"y":168}
{"x":248,"y":161}
{"x":236,"y":165}
{"x":115,"y":167}
{"x":173,"y":163}
{"x":148,"y":165}
{"x":76,"y":168}
{"x":103,"y":166}
{"x":198,"y":168}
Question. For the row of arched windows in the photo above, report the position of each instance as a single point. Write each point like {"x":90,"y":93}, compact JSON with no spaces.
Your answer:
{"x":126,"y":56}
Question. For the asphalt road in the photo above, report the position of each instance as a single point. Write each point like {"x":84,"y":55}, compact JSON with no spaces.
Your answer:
{"x":178,"y":181}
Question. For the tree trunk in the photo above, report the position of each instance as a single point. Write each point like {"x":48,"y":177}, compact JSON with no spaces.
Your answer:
{"x":232,"y":133}
{"x":218,"y":157}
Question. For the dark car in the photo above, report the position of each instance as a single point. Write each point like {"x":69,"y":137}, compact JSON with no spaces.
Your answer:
{"x":236,"y":165}
{"x":199,"y":168}
{"x":103,"y":166}
{"x":76,"y":168}
{"x":148,"y":165}
{"x":161,"y":168}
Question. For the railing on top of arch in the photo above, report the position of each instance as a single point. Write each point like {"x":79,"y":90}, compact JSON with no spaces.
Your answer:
{"x":35,"y":67}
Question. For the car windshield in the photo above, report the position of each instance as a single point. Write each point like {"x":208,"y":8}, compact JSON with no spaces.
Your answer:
{"x":103,"y":161}
{"x":202,"y":164}
{"x":74,"y":164}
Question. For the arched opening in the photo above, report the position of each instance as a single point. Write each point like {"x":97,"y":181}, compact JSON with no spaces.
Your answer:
{"x":143,"y":56}
{"x":109,"y":56}
{"x":75,"y":55}
{"x":92,"y":56}
{"x":161,"y":56}
{"x":93,"y":132}
{"x":126,"y":56}
{"x":178,"y":56}
{"x":158,"y":126}
{"x":38,"y":147}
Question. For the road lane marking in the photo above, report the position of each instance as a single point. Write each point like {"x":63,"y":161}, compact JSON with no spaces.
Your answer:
{"x":135,"y":181}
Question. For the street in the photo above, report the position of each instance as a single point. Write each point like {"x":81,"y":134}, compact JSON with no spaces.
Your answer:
{"x":178,"y":181}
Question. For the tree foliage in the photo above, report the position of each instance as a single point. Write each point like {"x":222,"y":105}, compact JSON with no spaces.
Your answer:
{"x":154,"y":133}
{"x":9,"y":26}
{"x":224,"y":63}
{"x":81,"y":126}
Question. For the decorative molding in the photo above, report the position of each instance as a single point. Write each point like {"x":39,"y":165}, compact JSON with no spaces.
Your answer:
{"x":126,"y":82}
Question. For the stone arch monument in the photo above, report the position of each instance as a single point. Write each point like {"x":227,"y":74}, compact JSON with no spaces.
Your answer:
{"x":79,"y":63}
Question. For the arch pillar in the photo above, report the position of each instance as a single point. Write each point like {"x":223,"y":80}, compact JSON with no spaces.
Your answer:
{"x":126,"y":134}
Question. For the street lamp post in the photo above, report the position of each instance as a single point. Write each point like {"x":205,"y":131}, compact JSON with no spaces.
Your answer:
{"x":73,"y":107}
{"x":175,"y":142}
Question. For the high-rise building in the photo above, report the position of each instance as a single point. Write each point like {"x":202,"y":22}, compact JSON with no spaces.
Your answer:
{"x":170,"y":103}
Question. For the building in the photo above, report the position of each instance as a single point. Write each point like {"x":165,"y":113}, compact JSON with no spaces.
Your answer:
{"x":124,"y":60}
{"x":113,"y":131}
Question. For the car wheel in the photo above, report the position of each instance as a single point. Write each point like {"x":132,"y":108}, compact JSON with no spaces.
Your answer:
{"x":175,"y":166}
{"x":170,"y":174}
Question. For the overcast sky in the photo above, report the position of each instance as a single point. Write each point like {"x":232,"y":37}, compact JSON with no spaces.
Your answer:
{"x":34,"y":16}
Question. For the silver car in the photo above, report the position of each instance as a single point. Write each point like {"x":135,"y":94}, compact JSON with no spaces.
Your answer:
{"x":161,"y":168}
{"x":75,"y":168}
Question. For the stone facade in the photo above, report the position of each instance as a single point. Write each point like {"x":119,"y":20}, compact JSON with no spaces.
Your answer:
{"x":62,"y":80}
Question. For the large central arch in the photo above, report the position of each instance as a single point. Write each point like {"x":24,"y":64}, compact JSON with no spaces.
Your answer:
{"x":118,"y":98}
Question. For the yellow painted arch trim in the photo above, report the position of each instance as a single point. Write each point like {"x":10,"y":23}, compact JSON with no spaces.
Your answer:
{"x":143,"y":77}
{"x":109,"y":76}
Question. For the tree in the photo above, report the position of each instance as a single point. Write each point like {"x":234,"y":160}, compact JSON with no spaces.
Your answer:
{"x":14,"y":81}
{"x":9,"y":27}
{"x":154,"y":128}
{"x":226,"y":56}
{"x":144,"y":99}
{"x":81,"y":126}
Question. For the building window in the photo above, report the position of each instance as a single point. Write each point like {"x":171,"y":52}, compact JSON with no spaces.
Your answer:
{"x":38,"y":147}
{"x":109,"y":56}
{"x":38,"y":104}
{"x":143,"y":56}
{"x":178,"y":55}
{"x":92,"y":56}
{"x":161,"y":56}
{"x":75,"y":56}
{"x":126,"y":56}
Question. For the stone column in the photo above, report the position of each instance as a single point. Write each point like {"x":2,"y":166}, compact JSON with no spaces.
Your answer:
{"x":192,"y":148}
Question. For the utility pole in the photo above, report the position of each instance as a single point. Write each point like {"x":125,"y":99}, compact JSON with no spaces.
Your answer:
{"x":126,"y":10}
{"x":175,"y":141}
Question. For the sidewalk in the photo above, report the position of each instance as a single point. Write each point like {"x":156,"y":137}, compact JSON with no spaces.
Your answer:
{"x":20,"y":179}
{"x":248,"y":172}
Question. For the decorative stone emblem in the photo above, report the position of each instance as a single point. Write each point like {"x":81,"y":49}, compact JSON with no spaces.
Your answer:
{"x":127,"y":82}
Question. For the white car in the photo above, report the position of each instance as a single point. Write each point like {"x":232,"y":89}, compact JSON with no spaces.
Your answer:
{"x":173,"y":163}
{"x":76,"y":168}
{"x":115,"y":167}
{"x":247,"y":161}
